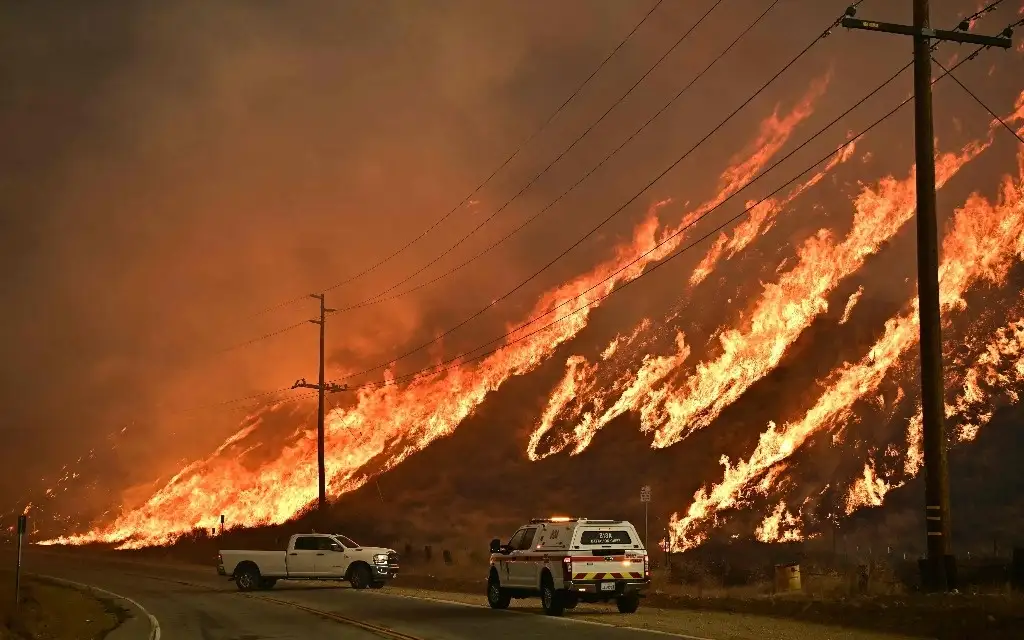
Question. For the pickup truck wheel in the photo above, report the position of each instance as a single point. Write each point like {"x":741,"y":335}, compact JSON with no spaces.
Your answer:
{"x":628,"y":603}
{"x":248,"y":579}
{"x":551,"y":599}
{"x":497,"y":597}
{"x":359,"y":577}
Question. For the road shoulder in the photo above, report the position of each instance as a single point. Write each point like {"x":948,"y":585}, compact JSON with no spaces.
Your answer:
{"x":49,"y":609}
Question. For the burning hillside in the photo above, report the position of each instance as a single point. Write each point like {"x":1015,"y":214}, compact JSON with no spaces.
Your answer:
{"x":660,"y":375}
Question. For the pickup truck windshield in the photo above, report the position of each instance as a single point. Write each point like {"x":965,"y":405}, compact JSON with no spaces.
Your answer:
{"x":348,"y":542}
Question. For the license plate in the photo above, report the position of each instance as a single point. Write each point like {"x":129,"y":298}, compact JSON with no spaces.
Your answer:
{"x":607,"y":586}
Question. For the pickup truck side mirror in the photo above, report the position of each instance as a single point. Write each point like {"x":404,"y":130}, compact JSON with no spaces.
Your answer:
{"x":336,"y":547}
{"x":495,"y":546}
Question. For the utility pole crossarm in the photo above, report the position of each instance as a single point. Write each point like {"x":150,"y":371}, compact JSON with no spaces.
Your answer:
{"x":1003,"y":40}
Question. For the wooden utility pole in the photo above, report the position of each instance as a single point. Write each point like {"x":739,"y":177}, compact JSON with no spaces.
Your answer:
{"x":937,"y":520}
{"x":322,"y":387}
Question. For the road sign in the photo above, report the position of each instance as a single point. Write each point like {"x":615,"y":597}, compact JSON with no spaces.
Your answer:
{"x":645,"y":493}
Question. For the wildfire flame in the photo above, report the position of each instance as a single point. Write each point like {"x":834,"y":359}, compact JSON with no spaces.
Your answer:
{"x":784,"y":310}
{"x":386,"y":424}
{"x":981,"y":246}
{"x":389,"y":423}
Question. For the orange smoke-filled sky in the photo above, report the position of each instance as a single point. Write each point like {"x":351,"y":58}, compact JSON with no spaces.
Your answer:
{"x":168,"y":170}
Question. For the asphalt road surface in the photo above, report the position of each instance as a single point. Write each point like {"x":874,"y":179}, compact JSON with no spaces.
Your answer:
{"x":193,"y":602}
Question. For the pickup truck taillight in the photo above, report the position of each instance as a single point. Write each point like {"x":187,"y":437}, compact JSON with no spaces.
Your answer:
{"x":566,"y":569}
{"x":647,"y":566}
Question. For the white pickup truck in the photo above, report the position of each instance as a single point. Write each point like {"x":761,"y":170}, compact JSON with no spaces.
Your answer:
{"x":310,"y":556}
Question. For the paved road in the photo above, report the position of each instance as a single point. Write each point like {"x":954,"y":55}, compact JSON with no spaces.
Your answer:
{"x":193,"y":602}
{"x":190,"y":603}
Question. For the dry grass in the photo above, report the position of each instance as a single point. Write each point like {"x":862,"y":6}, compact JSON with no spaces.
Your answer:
{"x":53,"y":612}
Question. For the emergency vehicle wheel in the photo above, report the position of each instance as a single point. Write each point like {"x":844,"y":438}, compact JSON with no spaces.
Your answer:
{"x":628,"y":603}
{"x":497,"y":597}
{"x":551,"y":599}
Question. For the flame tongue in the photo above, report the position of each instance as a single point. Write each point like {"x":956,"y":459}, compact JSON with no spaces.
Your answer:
{"x":981,"y":246}
{"x":785,"y":309}
{"x":789,"y":306}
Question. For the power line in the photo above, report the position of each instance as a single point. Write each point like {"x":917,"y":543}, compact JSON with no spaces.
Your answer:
{"x":607,"y":219}
{"x":265,"y":336}
{"x":377,"y":299}
{"x":965,"y":24}
{"x":992,"y":113}
{"x":487,"y":180}
{"x":374,"y":299}
{"x":467,"y":357}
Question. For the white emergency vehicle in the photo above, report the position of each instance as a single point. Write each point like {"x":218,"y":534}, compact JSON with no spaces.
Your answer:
{"x":565,"y":561}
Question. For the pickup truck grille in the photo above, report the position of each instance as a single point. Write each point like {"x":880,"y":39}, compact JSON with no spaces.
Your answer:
{"x":393,"y":559}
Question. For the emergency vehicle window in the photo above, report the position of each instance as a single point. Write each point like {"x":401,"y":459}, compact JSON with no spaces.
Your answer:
{"x":513,"y":544}
{"x":305,"y":543}
{"x":527,"y":542}
{"x":605,"y":537}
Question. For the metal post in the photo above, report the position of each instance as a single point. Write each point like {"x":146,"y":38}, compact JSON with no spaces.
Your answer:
{"x":645,"y":497}
{"x":22,"y":526}
{"x":222,"y":524}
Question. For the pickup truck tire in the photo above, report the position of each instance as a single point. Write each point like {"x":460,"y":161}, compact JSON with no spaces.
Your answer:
{"x":497,"y":597}
{"x":552,"y":600}
{"x":628,"y":603}
{"x":359,"y":576}
{"x":247,"y":577}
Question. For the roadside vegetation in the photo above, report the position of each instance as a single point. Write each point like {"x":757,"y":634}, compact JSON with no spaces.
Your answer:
{"x":49,"y":611}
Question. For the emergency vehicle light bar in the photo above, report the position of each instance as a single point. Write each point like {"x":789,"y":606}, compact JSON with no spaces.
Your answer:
{"x":567,"y":519}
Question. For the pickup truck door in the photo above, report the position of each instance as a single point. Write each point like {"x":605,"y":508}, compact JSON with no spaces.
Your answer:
{"x":524,"y":568}
{"x":332,"y":559}
{"x":301,"y":559}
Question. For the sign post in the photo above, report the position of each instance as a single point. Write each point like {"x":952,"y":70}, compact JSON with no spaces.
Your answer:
{"x":645,"y":497}
{"x":22,"y":526}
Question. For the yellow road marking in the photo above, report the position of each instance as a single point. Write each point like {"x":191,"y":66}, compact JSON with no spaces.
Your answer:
{"x":366,"y":626}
